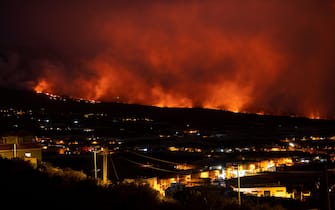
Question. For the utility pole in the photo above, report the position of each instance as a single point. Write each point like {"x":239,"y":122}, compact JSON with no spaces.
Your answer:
{"x":14,"y":151}
{"x":95,"y":163}
{"x":238,"y":186}
{"x":104,"y":163}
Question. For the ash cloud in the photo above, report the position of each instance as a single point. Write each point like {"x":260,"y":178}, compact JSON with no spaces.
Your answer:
{"x":254,"y":56}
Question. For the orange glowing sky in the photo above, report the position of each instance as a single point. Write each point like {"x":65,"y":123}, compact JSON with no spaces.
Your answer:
{"x":258,"y":56}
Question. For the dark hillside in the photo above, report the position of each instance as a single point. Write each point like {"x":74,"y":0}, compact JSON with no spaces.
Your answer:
{"x":260,"y":126}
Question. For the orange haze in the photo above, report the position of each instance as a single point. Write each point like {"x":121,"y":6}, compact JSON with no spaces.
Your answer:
{"x":260,"y":56}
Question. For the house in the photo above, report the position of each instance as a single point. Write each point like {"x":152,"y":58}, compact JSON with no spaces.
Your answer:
{"x":265,"y":191}
{"x":23,"y":147}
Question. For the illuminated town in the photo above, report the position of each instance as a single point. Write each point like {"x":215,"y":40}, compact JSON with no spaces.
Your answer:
{"x":125,"y":148}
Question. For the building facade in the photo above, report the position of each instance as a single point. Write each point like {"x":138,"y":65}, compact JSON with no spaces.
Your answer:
{"x":23,"y":147}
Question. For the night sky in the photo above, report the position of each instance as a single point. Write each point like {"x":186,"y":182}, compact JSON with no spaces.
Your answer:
{"x":259,"y":56}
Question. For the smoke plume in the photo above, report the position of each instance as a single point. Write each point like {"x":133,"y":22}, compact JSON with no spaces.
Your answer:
{"x":260,"y":56}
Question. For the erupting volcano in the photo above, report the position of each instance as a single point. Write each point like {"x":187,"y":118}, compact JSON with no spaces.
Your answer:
{"x":257,"y":56}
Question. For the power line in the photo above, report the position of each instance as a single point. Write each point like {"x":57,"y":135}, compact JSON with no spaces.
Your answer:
{"x":157,"y":159}
{"x":114,"y":168}
{"x":149,"y":166}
